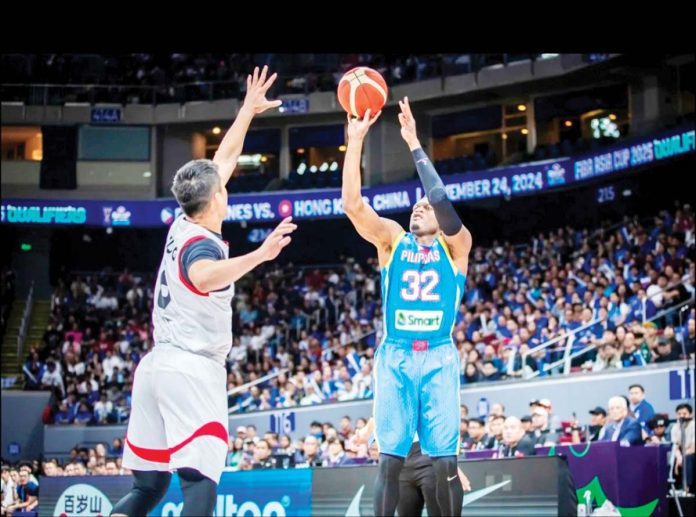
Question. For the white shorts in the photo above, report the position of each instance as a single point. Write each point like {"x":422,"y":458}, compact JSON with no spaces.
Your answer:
{"x":179,"y":414}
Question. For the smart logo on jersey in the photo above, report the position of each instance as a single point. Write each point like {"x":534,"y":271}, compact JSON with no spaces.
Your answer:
{"x":422,"y":321}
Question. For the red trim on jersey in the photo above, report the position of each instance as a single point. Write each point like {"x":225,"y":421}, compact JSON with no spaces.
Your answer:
{"x":214,"y":429}
{"x":186,"y":283}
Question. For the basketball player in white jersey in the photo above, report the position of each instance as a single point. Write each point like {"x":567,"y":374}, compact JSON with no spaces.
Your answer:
{"x":179,"y":416}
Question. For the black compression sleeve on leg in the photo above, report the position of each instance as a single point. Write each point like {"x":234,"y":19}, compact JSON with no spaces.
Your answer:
{"x":411,"y":500}
{"x":387,"y":485}
{"x":200,"y":493}
{"x":449,"y":491}
{"x":148,"y":489}
{"x":446,"y":215}
{"x":428,"y":487}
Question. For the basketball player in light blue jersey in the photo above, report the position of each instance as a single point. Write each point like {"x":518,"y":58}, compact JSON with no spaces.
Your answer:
{"x":416,"y":372}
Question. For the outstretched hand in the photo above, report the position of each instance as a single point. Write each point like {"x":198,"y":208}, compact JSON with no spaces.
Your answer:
{"x":257,"y":86}
{"x":277,"y":239}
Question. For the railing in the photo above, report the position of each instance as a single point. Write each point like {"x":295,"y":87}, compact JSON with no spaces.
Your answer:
{"x":568,"y":356}
{"x":23,"y":326}
{"x":248,"y":385}
{"x":664,"y":313}
{"x":440,"y":66}
{"x":600,"y":231}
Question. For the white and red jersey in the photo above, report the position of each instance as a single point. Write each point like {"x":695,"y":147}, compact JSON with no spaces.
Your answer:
{"x":183,"y":317}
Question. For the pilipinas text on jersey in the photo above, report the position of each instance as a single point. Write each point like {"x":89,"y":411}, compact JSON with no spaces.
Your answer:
{"x":421,"y":290}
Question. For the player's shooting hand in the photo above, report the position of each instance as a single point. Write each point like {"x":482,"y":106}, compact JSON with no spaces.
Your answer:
{"x":257,"y":86}
{"x":408,"y":123}
{"x":277,"y":239}
{"x":357,"y":128}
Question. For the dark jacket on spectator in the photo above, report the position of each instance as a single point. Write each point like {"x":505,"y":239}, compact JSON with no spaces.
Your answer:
{"x":644,"y":412}
{"x":630,"y":431}
{"x":525,"y":447}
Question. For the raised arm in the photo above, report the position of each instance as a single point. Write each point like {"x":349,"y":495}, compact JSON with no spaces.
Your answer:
{"x":456,"y":235}
{"x":209,"y":275}
{"x":255,"y":102}
{"x":378,"y":230}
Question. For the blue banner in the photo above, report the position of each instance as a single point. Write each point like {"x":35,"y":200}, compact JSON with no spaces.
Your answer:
{"x":105,"y":115}
{"x":681,"y":384}
{"x":529,"y":178}
{"x":256,"y":492}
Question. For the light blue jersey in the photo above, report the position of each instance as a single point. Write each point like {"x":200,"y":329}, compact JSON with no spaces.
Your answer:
{"x":416,"y":373}
{"x":421,"y":291}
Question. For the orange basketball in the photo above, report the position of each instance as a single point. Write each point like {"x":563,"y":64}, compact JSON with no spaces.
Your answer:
{"x":360,"y":89}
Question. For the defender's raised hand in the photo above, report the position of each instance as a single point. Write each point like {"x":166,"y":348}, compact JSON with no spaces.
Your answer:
{"x":257,"y":86}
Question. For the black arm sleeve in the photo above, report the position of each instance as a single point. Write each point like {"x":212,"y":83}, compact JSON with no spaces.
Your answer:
{"x":446,"y":215}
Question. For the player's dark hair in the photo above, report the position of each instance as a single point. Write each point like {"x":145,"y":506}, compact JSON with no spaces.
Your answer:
{"x":194,"y":185}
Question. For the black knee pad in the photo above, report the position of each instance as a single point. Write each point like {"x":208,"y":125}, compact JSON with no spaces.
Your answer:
{"x":149,"y":488}
{"x":200,"y":493}
{"x":152,"y":482}
{"x":190,"y":475}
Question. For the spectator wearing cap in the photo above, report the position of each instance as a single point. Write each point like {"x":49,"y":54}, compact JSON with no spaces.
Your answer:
{"x":516,"y":443}
{"x":658,"y":428}
{"x":595,"y":431}
{"x":553,"y":420}
{"x":598,"y":424}
{"x":526,"y":422}
{"x":641,"y":408}
{"x":666,"y":350}
{"x":541,"y":434}
{"x":621,"y":427}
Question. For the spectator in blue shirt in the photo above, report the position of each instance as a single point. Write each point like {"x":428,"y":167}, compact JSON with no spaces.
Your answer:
{"x":631,"y":356}
{"x":84,"y":414}
{"x":27,"y":495}
{"x":641,"y":408}
{"x":63,"y":415}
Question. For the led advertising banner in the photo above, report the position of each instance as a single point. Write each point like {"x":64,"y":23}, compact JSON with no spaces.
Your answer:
{"x":525,"y":179}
